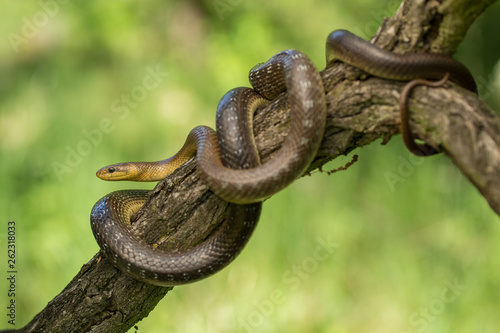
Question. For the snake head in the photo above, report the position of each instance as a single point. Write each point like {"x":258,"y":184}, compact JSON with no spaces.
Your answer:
{"x":121,"y":171}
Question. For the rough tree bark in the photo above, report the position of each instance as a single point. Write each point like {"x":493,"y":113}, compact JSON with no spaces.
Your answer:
{"x":361,"y":109}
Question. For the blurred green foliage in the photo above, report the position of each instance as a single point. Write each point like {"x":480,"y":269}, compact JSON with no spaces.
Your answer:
{"x":64,"y":113}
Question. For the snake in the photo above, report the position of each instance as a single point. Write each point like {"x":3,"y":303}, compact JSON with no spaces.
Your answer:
{"x":141,"y":261}
{"x":228,"y":162}
{"x":407,"y":135}
{"x":227,"y":159}
{"x":414,"y":67}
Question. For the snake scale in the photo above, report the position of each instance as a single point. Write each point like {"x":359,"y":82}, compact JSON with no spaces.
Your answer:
{"x":228,"y":161}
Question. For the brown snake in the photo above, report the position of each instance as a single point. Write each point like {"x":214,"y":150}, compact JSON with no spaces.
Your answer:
{"x":347,"y":47}
{"x":220,"y":168}
{"x":228,"y":163}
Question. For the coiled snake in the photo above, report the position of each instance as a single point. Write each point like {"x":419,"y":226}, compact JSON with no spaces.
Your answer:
{"x":228,"y":161}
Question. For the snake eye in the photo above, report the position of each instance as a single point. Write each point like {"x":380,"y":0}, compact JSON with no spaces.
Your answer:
{"x":111,"y":170}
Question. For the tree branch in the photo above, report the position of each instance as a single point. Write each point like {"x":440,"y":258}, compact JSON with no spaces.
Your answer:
{"x":182,"y":212}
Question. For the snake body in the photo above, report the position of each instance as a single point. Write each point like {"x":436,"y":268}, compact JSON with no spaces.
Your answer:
{"x":221,"y":167}
{"x":229,"y":165}
{"x":349,"y":48}
{"x":289,"y":70}
{"x":136,"y":258}
{"x":111,"y":215}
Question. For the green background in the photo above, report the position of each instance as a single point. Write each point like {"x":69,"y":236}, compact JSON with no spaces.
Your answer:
{"x":398,"y":246}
